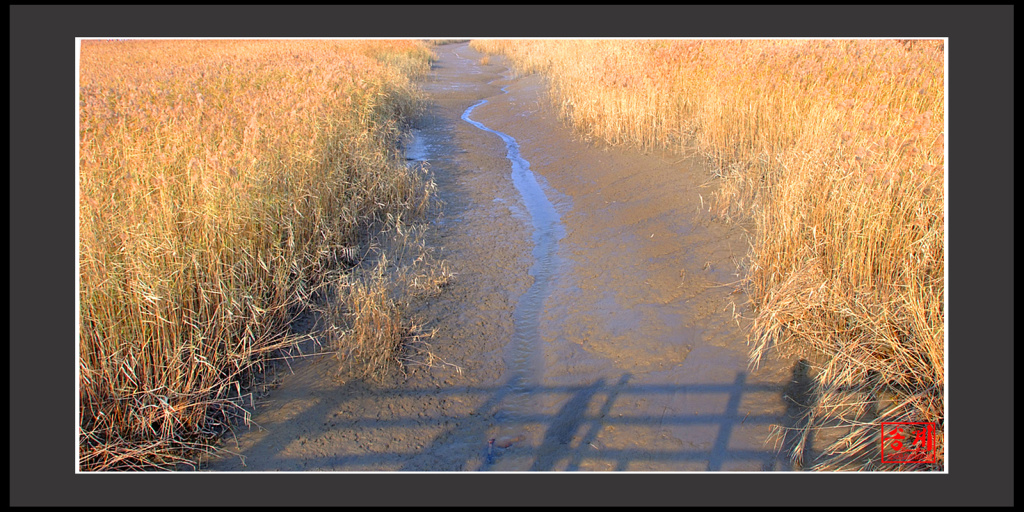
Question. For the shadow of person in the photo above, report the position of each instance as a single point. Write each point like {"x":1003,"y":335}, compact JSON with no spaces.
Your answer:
{"x":564,"y":425}
{"x":797,"y":430}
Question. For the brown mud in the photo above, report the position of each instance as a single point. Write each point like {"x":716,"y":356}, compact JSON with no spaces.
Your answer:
{"x":621,"y":352}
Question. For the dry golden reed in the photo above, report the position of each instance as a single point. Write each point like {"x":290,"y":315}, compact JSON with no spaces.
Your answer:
{"x":221,"y":183}
{"x":834,"y":150}
{"x":369,"y":312}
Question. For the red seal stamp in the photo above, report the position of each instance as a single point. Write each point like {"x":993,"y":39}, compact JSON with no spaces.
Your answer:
{"x":905,"y":442}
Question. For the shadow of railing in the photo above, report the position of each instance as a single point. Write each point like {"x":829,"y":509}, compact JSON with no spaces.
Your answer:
{"x":569,"y":433}
{"x":572,"y":422}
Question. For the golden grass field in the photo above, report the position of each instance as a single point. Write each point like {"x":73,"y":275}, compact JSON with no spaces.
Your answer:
{"x":222,"y":183}
{"x":834,"y":152}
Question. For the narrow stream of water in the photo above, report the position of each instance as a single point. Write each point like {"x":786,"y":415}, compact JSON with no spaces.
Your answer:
{"x":524,"y":357}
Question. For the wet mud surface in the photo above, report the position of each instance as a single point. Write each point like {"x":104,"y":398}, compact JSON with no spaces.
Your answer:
{"x":589,"y":327}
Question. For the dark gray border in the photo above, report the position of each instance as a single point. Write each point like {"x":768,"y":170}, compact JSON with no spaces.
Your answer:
{"x":42,"y":251}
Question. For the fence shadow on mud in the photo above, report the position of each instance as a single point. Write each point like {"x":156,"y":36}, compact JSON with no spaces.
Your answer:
{"x":569,"y":436}
{"x":570,"y":433}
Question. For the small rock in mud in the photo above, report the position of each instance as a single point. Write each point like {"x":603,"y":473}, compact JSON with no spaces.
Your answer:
{"x":506,"y":441}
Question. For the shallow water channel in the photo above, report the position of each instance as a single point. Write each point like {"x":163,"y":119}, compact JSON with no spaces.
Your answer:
{"x":524,"y":359}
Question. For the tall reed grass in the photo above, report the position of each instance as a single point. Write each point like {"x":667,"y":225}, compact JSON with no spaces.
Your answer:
{"x":834,"y":151}
{"x":221,"y":184}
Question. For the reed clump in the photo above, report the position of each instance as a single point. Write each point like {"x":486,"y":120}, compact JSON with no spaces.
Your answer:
{"x":370,"y":310}
{"x":222,"y":184}
{"x":834,"y":151}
